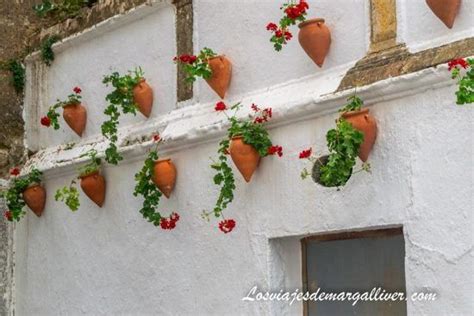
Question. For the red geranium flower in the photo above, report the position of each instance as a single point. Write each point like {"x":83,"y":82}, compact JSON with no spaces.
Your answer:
{"x":272,"y":150}
{"x":455,"y":62}
{"x":77,"y":90}
{"x":227,"y":225}
{"x":169,"y":223}
{"x":192,"y":59}
{"x":46,"y":121}
{"x":306,"y":153}
{"x":8,"y":215}
{"x":272,"y":27}
{"x":288,"y":35}
{"x":220,"y":106}
{"x":279,"y":33}
{"x":15,"y":171}
{"x":184,"y":58}
{"x":255,"y":107}
{"x":156,"y":137}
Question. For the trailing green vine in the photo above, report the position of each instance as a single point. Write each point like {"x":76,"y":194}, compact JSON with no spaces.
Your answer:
{"x":47,"y":53}
{"x":61,"y":8}
{"x":14,"y":195}
{"x":196,"y":66}
{"x":150,"y":192}
{"x":120,"y":101}
{"x":255,"y":134}
{"x":18,"y":75}
{"x":465,"y":93}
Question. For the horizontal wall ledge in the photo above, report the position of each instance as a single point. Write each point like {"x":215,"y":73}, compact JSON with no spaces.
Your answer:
{"x":199,"y":123}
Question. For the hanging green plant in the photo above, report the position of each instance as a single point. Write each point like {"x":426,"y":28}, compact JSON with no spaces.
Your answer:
{"x":18,"y":75}
{"x":92,"y":183}
{"x":155,"y":179}
{"x":344,"y":143}
{"x":61,"y":8}
{"x":24,"y":190}
{"x":130,"y":93}
{"x":246,"y":142}
{"x":47,"y":53}
{"x":465,"y":93}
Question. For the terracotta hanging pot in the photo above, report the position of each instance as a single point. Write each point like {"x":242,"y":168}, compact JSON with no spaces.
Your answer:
{"x":221,"y":74}
{"x":365,"y":123}
{"x":143,"y":96}
{"x":245,"y":157}
{"x":164,"y":176}
{"x":35,"y":198}
{"x":445,"y":10}
{"x":93,"y":185}
{"x":75,"y":116}
{"x":315,"y":38}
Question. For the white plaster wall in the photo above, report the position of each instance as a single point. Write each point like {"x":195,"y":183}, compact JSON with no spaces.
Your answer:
{"x":421,"y":29}
{"x":111,"y":261}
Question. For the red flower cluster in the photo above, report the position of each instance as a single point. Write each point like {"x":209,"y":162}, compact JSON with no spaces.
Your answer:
{"x":8,"y":215}
{"x":278,"y":150}
{"x":306,"y":153}
{"x":46,"y":121}
{"x":227,"y":225}
{"x":220,"y":106}
{"x":15,"y":171}
{"x":190,"y":59}
{"x":263,"y":116}
{"x":457,"y":62}
{"x":295,"y":11}
{"x":77,"y":90}
{"x":169,"y":223}
{"x":156,"y":138}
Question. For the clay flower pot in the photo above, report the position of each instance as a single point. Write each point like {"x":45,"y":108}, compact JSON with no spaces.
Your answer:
{"x":143,"y":96}
{"x":244,"y":156}
{"x":75,"y":116}
{"x":93,"y":185}
{"x":316,"y":171}
{"x":164,"y":176}
{"x":315,"y":38}
{"x":35,"y":198}
{"x":221,"y":74}
{"x":445,"y":10}
{"x":365,"y":123}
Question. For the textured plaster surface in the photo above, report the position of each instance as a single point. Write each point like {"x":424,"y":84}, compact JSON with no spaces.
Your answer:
{"x":111,"y":261}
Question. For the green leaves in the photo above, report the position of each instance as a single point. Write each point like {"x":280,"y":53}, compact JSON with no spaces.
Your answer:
{"x":18,"y":75}
{"x":61,"y":8}
{"x":355,"y":104}
{"x":120,"y":100}
{"x":69,"y":195}
{"x":343,"y":143}
{"x":197,"y":66}
{"x":147,"y":188}
{"x":93,"y":165}
{"x":14,"y":195}
{"x":47,"y":53}
{"x":465,"y":93}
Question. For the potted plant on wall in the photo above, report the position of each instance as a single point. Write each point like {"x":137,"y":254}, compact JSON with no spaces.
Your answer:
{"x":353,"y":136}
{"x":465,"y":93}
{"x":74,"y":113}
{"x":24,"y":190}
{"x":91,"y":181}
{"x":215,"y":69}
{"x":314,"y":36}
{"x":445,"y":10}
{"x":247,"y":141}
{"x":131,"y":92}
{"x":157,"y":177}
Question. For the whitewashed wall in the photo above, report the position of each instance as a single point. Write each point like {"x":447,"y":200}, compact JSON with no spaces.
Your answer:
{"x":111,"y":261}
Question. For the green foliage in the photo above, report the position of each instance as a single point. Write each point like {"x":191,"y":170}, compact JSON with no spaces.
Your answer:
{"x":354,"y":104}
{"x":147,"y":188}
{"x":197,"y":66}
{"x":281,"y":34}
{"x":92,"y":166}
{"x":18,"y":75}
{"x":343,"y":143}
{"x":47,"y":53}
{"x":61,"y":8}
{"x":74,"y":98}
{"x":120,"y":100}
{"x":465,"y":93}
{"x":69,"y":195}
{"x":14,"y":197}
